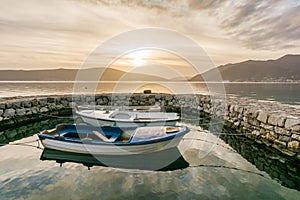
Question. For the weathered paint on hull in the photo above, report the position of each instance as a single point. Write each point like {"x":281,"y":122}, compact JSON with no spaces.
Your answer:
{"x":111,"y":149}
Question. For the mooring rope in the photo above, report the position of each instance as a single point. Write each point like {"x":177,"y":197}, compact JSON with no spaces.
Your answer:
{"x":27,"y":144}
{"x":228,"y":167}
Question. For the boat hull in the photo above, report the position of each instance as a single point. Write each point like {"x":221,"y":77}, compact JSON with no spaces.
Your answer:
{"x":101,"y":122}
{"x":111,"y":149}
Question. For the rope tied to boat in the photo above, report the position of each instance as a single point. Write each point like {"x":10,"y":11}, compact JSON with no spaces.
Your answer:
{"x":229,"y":167}
{"x":27,"y":144}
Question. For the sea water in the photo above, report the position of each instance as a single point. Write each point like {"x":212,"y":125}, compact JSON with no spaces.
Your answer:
{"x":24,"y":175}
{"x":219,"y":173}
{"x":282,"y":92}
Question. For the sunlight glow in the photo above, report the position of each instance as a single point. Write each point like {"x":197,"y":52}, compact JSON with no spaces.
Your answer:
{"x":138,"y":58}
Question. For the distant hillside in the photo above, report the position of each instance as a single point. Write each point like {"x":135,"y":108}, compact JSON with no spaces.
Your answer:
{"x":286,"y":68}
{"x":70,"y":75}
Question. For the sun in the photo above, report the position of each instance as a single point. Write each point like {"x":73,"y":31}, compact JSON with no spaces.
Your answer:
{"x":138,"y":58}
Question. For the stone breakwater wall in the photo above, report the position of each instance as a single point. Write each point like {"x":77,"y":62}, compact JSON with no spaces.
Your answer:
{"x":269,"y":123}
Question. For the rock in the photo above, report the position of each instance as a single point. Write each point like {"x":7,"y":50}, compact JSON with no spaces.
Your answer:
{"x":255,"y":132}
{"x":72,"y":104}
{"x":34,"y":102}
{"x":271,"y":136}
{"x":281,"y":131}
{"x":34,"y":110}
{"x":219,"y":113}
{"x":20,"y":112}
{"x":2,"y":106}
{"x":28,"y":111}
{"x":26,"y":104}
{"x":1,"y":112}
{"x":59,"y":106}
{"x":43,"y":102}
{"x":293,"y":144}
{"x":1,"y":118}
{"x":296,"y":136}
{"x":50,"y":100}
{"x":290,"y":122}
{"x":296,"y":128}
{"x":9,"y":113}
{"x":253,"y":112}
{"x":52,"y":106}
{"x":284,"y":138}
{"x":65,"y":103}
{"x":267,"y":127}
{"x":44,"y":109}
{"x":262,"y":116}
{"x":276,"y":120}
{"x":68,"y":98}
{"x":254,"y":122}
{"x":280,"y":143}
{"x":8,"y":105}
{"x":287,"y":152}
{"x":231,"y":108}
{"x":16,"y":104}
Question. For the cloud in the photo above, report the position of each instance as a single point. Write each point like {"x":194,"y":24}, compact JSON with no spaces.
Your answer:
{"x":257,"y":24}
{"x":61,"y":33}
{"x":205,"y":4}
{"x":265,"y":24}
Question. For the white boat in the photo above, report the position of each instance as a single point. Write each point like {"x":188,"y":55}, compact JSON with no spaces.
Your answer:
{"x":127,"y":118}
{"x":112,"y":140}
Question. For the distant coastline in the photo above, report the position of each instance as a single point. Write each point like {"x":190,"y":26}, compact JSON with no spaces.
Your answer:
{"x":188,"y":81}
{"x":283,"y":70}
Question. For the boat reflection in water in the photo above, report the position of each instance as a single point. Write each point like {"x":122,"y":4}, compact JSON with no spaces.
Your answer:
{"x":167,"y":160}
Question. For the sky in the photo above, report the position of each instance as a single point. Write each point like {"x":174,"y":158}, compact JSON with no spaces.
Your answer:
{"x":54,"y":34}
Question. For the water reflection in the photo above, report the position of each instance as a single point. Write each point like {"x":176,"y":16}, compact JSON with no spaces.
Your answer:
{"x":283,"y":168}
{"x":27,"y":130}
{"x":24,"y":176}
{"x":280,"y":167}
{"x":144,"y":162}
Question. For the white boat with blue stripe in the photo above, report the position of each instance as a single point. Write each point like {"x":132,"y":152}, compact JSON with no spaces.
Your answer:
{"x":112,"y":140}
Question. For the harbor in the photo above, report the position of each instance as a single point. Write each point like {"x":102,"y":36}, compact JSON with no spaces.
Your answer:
{"x":264,"y":133}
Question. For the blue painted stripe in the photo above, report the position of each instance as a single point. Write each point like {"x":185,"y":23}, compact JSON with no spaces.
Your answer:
{"x":75,"y":140}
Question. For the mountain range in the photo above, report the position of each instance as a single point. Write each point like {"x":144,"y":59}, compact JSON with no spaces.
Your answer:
{"x":286,"y":69}
{"x":91,"y":74}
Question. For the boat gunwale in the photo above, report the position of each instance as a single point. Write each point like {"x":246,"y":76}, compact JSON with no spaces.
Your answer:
{"x":99,"y":142}
{"x":130,"y":120}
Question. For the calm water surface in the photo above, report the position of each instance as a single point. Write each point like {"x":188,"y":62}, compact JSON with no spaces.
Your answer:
{"x":23,"y":175}
{"x":282,"y":92}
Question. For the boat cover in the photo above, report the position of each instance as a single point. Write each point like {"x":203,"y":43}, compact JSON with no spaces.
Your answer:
{"x":149,"y":133}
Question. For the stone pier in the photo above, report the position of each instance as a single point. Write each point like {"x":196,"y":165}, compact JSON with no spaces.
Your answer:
{"x":271,"y":123}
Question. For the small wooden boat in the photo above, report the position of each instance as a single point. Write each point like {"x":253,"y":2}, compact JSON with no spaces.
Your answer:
{"x":112,"y":140}
{"x":127,"y":118}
